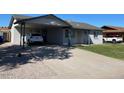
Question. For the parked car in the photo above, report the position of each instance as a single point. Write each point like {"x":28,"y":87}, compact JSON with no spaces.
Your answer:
{"x":113,"y":39}
{"x":34,"y":38}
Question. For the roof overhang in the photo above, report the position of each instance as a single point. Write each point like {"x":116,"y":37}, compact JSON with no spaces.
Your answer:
{"x":87,"y":29}
{"x":113,"y":31}
{"x":4,"y":29}
{"x":47,"y":20}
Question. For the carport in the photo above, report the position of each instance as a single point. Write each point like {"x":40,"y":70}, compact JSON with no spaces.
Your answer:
{"x":50,"y":26}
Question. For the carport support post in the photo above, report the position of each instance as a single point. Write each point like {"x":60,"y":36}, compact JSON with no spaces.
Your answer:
{"x":69,"y":37}
{"x":88,"y":33}
{"x":21,"y":36}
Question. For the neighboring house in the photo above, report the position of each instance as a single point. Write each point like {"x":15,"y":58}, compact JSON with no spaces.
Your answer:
{"x":5,"y":33}
{"x":113,"y":31}
{"x":56,"y":30}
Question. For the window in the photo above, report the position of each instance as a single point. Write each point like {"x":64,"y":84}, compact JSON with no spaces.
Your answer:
{"x":95,"y":34}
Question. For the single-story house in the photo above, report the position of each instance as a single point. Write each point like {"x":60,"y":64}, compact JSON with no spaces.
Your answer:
{"x":55,"y":29}
{"x":5,"y":33}
{"x":111,"y":31}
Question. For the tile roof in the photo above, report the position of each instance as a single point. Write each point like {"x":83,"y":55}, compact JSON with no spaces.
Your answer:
{"x":112,"y":29}
{"x":4,"y":29}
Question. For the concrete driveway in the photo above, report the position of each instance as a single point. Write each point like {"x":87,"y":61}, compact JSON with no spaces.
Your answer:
{"x":57,"y":62}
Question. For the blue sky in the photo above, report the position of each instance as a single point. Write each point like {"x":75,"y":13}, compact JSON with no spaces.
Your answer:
{"x":94,"y":19}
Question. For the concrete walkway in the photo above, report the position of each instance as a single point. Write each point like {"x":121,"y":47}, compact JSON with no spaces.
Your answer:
{"x":59,"y":62}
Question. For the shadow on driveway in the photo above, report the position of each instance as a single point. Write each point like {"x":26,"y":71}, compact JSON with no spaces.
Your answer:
{"x":9,"y":58}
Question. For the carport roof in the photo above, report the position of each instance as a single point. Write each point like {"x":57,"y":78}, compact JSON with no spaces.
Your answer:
{"x":42,"y":17}
{"x":20,"y":17}
{"x":17,"y":17}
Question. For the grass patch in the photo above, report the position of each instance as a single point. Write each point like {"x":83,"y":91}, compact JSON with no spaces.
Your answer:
{"x":110,"y":50}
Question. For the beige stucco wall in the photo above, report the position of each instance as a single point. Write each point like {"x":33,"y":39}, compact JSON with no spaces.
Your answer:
{"x":15,"y":34}
{"x":82,"y":37}
{"x":97,"y":40}
{"x":55,"y":36}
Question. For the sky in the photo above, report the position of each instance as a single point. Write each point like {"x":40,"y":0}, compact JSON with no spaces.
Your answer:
{"x":93,"y":19}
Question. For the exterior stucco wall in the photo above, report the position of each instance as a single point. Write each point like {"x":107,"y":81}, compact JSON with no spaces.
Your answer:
{"x":98,"y":39}
{"x":65,"y":39}
{"x":74,"y":39}
{"x":87,"y":36}
{"x":55,"y":36}
{"x":84,"y":37}
{"x":15,"y":34}
{"x":81,"y":37}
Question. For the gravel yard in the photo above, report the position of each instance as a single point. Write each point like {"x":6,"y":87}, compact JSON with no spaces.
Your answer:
{"x":50,"y":62}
